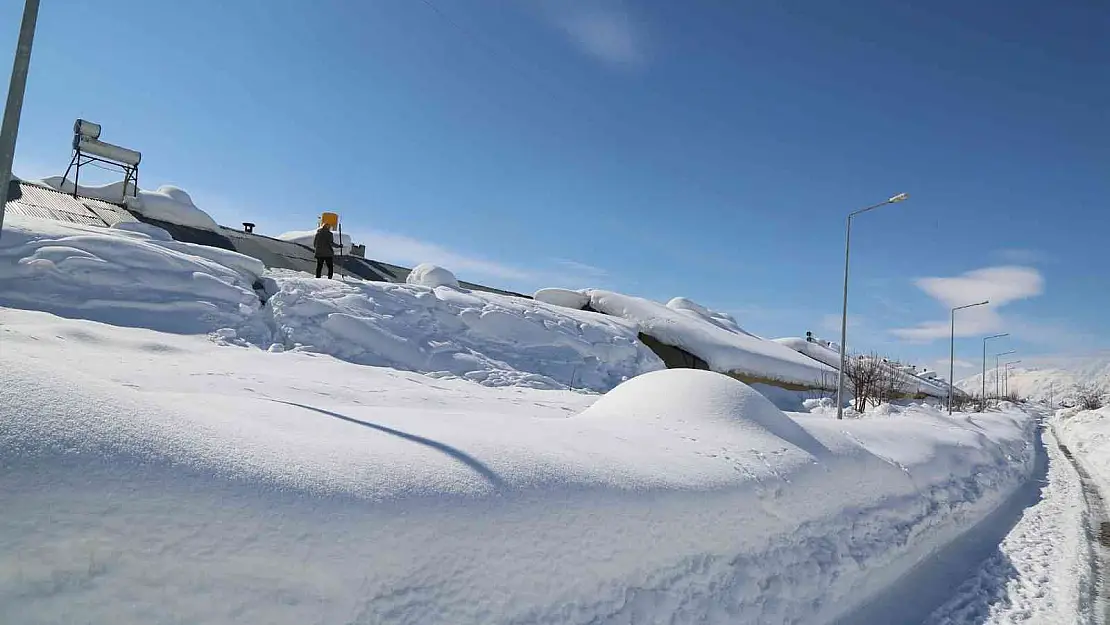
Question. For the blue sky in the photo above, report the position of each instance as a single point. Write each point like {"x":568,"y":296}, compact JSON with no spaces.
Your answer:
{"x":705,"y":149}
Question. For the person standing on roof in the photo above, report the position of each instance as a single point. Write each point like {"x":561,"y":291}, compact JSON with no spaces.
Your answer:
{"x":324,"y":245}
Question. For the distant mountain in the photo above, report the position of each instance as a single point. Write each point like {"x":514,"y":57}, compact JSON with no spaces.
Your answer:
{"x":1048,"y":378}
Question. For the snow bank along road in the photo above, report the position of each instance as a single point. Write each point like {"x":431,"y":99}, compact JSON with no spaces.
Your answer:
{"x":152,"y":477}
{"x":1085,"y":438}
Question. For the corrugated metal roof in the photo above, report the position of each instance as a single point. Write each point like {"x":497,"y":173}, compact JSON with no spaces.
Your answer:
{"x":40,"y":202}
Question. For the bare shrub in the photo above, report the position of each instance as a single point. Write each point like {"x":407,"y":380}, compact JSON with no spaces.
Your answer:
{"x":1089,"y":396}
{"x":866,"y":374}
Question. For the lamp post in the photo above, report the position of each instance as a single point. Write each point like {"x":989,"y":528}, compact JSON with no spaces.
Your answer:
{"x":952,"y":351}
{"x":997,"y":387}
{"x":984,"y":380}
{"x":14,"y":106}
{"x":1006,"y":380}
{"x":844,"y":310}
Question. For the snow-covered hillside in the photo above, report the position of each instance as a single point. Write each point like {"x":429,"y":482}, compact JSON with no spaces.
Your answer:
{"x":1045,"y":379}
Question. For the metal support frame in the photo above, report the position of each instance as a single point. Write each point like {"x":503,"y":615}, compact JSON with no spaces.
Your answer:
{"x":130,"y":172}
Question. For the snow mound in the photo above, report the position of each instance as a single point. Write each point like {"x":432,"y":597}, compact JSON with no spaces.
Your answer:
{"x":154,"y":232}
{"x":307,"y":238}
{"x":491,"y":339}
{"x":562,"y":297}
{"x":717,"y":318}
{"x":677,"y":396}
{"x":429,"y":275}
{"x":130,"y":276}
{"x":725,"y":350}
{"x":174,"y":205}
{"x":168,"y":203}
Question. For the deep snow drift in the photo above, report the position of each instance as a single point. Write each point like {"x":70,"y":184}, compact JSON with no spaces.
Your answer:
{"x":134,"y":274}
{"x":714,"y":337}
{"x":445,"y":331}
{"x":151,"y":477}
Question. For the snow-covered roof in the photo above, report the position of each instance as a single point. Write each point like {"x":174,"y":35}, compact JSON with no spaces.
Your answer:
{"x":167,"y":203}
{"x":712,"y":337}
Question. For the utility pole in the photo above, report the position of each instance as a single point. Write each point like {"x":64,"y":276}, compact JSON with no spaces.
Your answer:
{"x":18,"y":85}
{"x":844,"y":305}
{"x":952,"y":352}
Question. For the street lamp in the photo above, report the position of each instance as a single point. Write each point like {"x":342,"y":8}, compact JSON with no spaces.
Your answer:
{"x":1006,"y":379}
{"x":984,"y":380}
{"x":14,"y":106}
{"x":997,"y":387}
{"x":952,"y":350}
{"x":894,"y":199}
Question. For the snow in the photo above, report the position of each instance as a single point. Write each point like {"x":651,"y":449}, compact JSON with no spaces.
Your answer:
{"x":726,"y":351}
{"x":153,"y":477}
{"x":1087,"y":434}
{"x":167,"y":203}
{"x":429,"y":275}
{"x":491,"y":339}
{"x":307,"y":238}
{"x":566,"y":298}
{"x":172,"y":450}
{"x":825,"y":353}
{"x":124,"y":276}
{"x":1047,"y":379}
{"x":696,"y":310}
{"x":1041,"y":571}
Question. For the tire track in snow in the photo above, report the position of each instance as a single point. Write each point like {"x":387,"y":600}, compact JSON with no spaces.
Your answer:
{"x":1098,"y":534}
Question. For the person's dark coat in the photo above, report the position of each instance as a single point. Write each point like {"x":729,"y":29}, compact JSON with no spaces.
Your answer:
{"x":324,"y":243}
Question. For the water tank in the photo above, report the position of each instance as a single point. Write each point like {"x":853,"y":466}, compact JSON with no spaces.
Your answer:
{"x":331,"y":219}
{"x":107,"y":151}
{"x":86,"y":128}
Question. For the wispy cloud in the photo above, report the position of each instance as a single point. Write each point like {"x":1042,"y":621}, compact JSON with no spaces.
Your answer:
{"x":1000,"y":285}
{"x":603,"y":30}
{"x":1023,"y":256}
{"x":582,"y":269}
{"x":405,"y":250}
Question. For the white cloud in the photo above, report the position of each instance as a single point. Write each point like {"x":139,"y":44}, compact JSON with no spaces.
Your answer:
{"x":999,"y":285}
{"x":602,"y":30}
